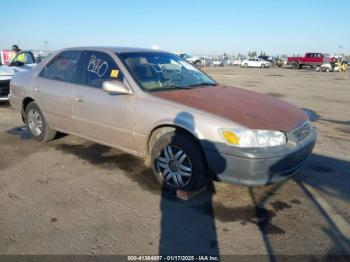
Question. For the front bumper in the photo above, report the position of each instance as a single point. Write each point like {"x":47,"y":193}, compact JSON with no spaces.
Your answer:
{"x":4,"y":90}
{"x":260,"y":166}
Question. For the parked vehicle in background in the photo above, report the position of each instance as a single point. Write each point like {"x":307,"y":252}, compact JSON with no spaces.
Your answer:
{"x":40,"y":55}
{"x":267,"y":58}
{"x":310,"y":59}
{"x":155,"y":105}
{"x":217,"y":62}
{"x":194,"y":60}
{"x":9,"y":68}
{"x":279,"y":61}
{"x":255,"y":62}
{"x":273,"y":60}
{"x":331,"y":65}
{"x":237,"y":61}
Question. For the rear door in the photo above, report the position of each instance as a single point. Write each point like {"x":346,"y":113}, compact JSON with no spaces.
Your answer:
{"x":103,"y":117}
{"x":54,"y":89}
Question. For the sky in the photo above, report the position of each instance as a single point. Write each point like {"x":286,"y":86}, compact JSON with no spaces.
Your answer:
{"x":206,"y":27}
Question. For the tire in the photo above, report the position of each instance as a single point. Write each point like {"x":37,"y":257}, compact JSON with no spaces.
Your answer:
{"x":168,"y":169}
{"x":245,"y":65}
{"x":36,"y":119}
{"x":263,"y":66}
{"x":295,"y":65}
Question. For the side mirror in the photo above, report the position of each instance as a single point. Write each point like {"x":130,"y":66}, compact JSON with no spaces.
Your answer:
{"x":115,"y":87}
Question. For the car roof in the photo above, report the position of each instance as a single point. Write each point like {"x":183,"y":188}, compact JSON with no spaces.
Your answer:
{"x":115,"y":49}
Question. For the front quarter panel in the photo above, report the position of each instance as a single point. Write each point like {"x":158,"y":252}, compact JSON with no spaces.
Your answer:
{"x":153,"y":112}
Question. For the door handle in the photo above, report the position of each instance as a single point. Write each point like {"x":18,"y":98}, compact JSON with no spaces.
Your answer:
{"x":78,"y":99}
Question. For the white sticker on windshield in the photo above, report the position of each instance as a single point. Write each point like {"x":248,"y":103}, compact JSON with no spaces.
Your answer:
{"x":97,"y":66}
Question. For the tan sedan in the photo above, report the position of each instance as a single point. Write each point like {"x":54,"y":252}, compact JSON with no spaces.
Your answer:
{"x":155,"y":105}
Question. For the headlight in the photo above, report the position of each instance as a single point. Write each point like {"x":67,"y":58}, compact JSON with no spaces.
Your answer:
{"x":252,"y":138}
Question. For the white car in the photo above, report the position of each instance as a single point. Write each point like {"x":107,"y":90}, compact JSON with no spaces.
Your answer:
{"x":217,"y":62}
{"x":194,"y":60}
{"x":7,"y":71}
{"x":255,"y":62}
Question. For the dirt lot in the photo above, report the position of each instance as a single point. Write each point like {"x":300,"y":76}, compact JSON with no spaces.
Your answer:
{"x":71,"y":196}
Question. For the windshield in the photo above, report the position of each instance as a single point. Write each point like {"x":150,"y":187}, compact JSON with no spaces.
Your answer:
{"x":156,"y":71}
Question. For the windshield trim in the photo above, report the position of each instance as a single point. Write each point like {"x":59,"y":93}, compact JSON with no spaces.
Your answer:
{"x":119,"y":55}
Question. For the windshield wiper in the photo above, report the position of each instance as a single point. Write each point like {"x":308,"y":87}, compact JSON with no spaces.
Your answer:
{"x":168,"y":88}
{"x":203,"y":84}
{"x":177,"y":87}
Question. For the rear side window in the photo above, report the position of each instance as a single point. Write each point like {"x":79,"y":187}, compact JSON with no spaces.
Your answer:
{"x":63,"y":67}
{"x":98,"y":67}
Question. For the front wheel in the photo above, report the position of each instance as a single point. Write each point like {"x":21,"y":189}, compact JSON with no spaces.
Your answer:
{"x":246,"y":65}
{"x":178,"y":162}
{"x":37,"y":124}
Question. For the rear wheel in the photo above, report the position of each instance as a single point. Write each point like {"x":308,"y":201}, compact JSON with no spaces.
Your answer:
{"x":295,"y":65}
{"x":263,"y":65}
{"x":37,"y":124}
{"x":178,"y":162}
{"x":245,"y":65}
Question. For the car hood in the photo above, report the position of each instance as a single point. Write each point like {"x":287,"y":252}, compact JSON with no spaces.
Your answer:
{"x":12,"y":70}
{"x":250,"y":109}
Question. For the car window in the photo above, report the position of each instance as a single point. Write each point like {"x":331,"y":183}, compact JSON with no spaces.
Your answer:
{"x":63,"y":67}
{"x":98,"y":67}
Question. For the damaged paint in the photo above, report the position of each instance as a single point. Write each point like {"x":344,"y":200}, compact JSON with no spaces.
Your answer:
{"x":251,"y":109}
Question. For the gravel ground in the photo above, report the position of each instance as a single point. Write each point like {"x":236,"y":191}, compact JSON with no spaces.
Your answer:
{"x":72,"y":196}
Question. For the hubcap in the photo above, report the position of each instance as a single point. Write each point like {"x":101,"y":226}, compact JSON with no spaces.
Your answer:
{"x":35,"y":122}
{"x":175,"y":166}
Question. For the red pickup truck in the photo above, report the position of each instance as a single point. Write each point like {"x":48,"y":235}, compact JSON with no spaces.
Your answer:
{"x":310,"y":59}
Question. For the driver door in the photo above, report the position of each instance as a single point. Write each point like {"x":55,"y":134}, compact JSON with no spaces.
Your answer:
{"x":103,"y":117}
{"x":24,"y":59}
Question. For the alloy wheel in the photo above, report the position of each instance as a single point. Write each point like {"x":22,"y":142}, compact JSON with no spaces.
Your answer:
{"x":35,"y":122}
{"x":175,"y":166}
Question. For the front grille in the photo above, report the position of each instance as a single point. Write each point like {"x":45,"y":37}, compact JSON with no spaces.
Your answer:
{"x":302,"y":131}
{"x":4,"y":88}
